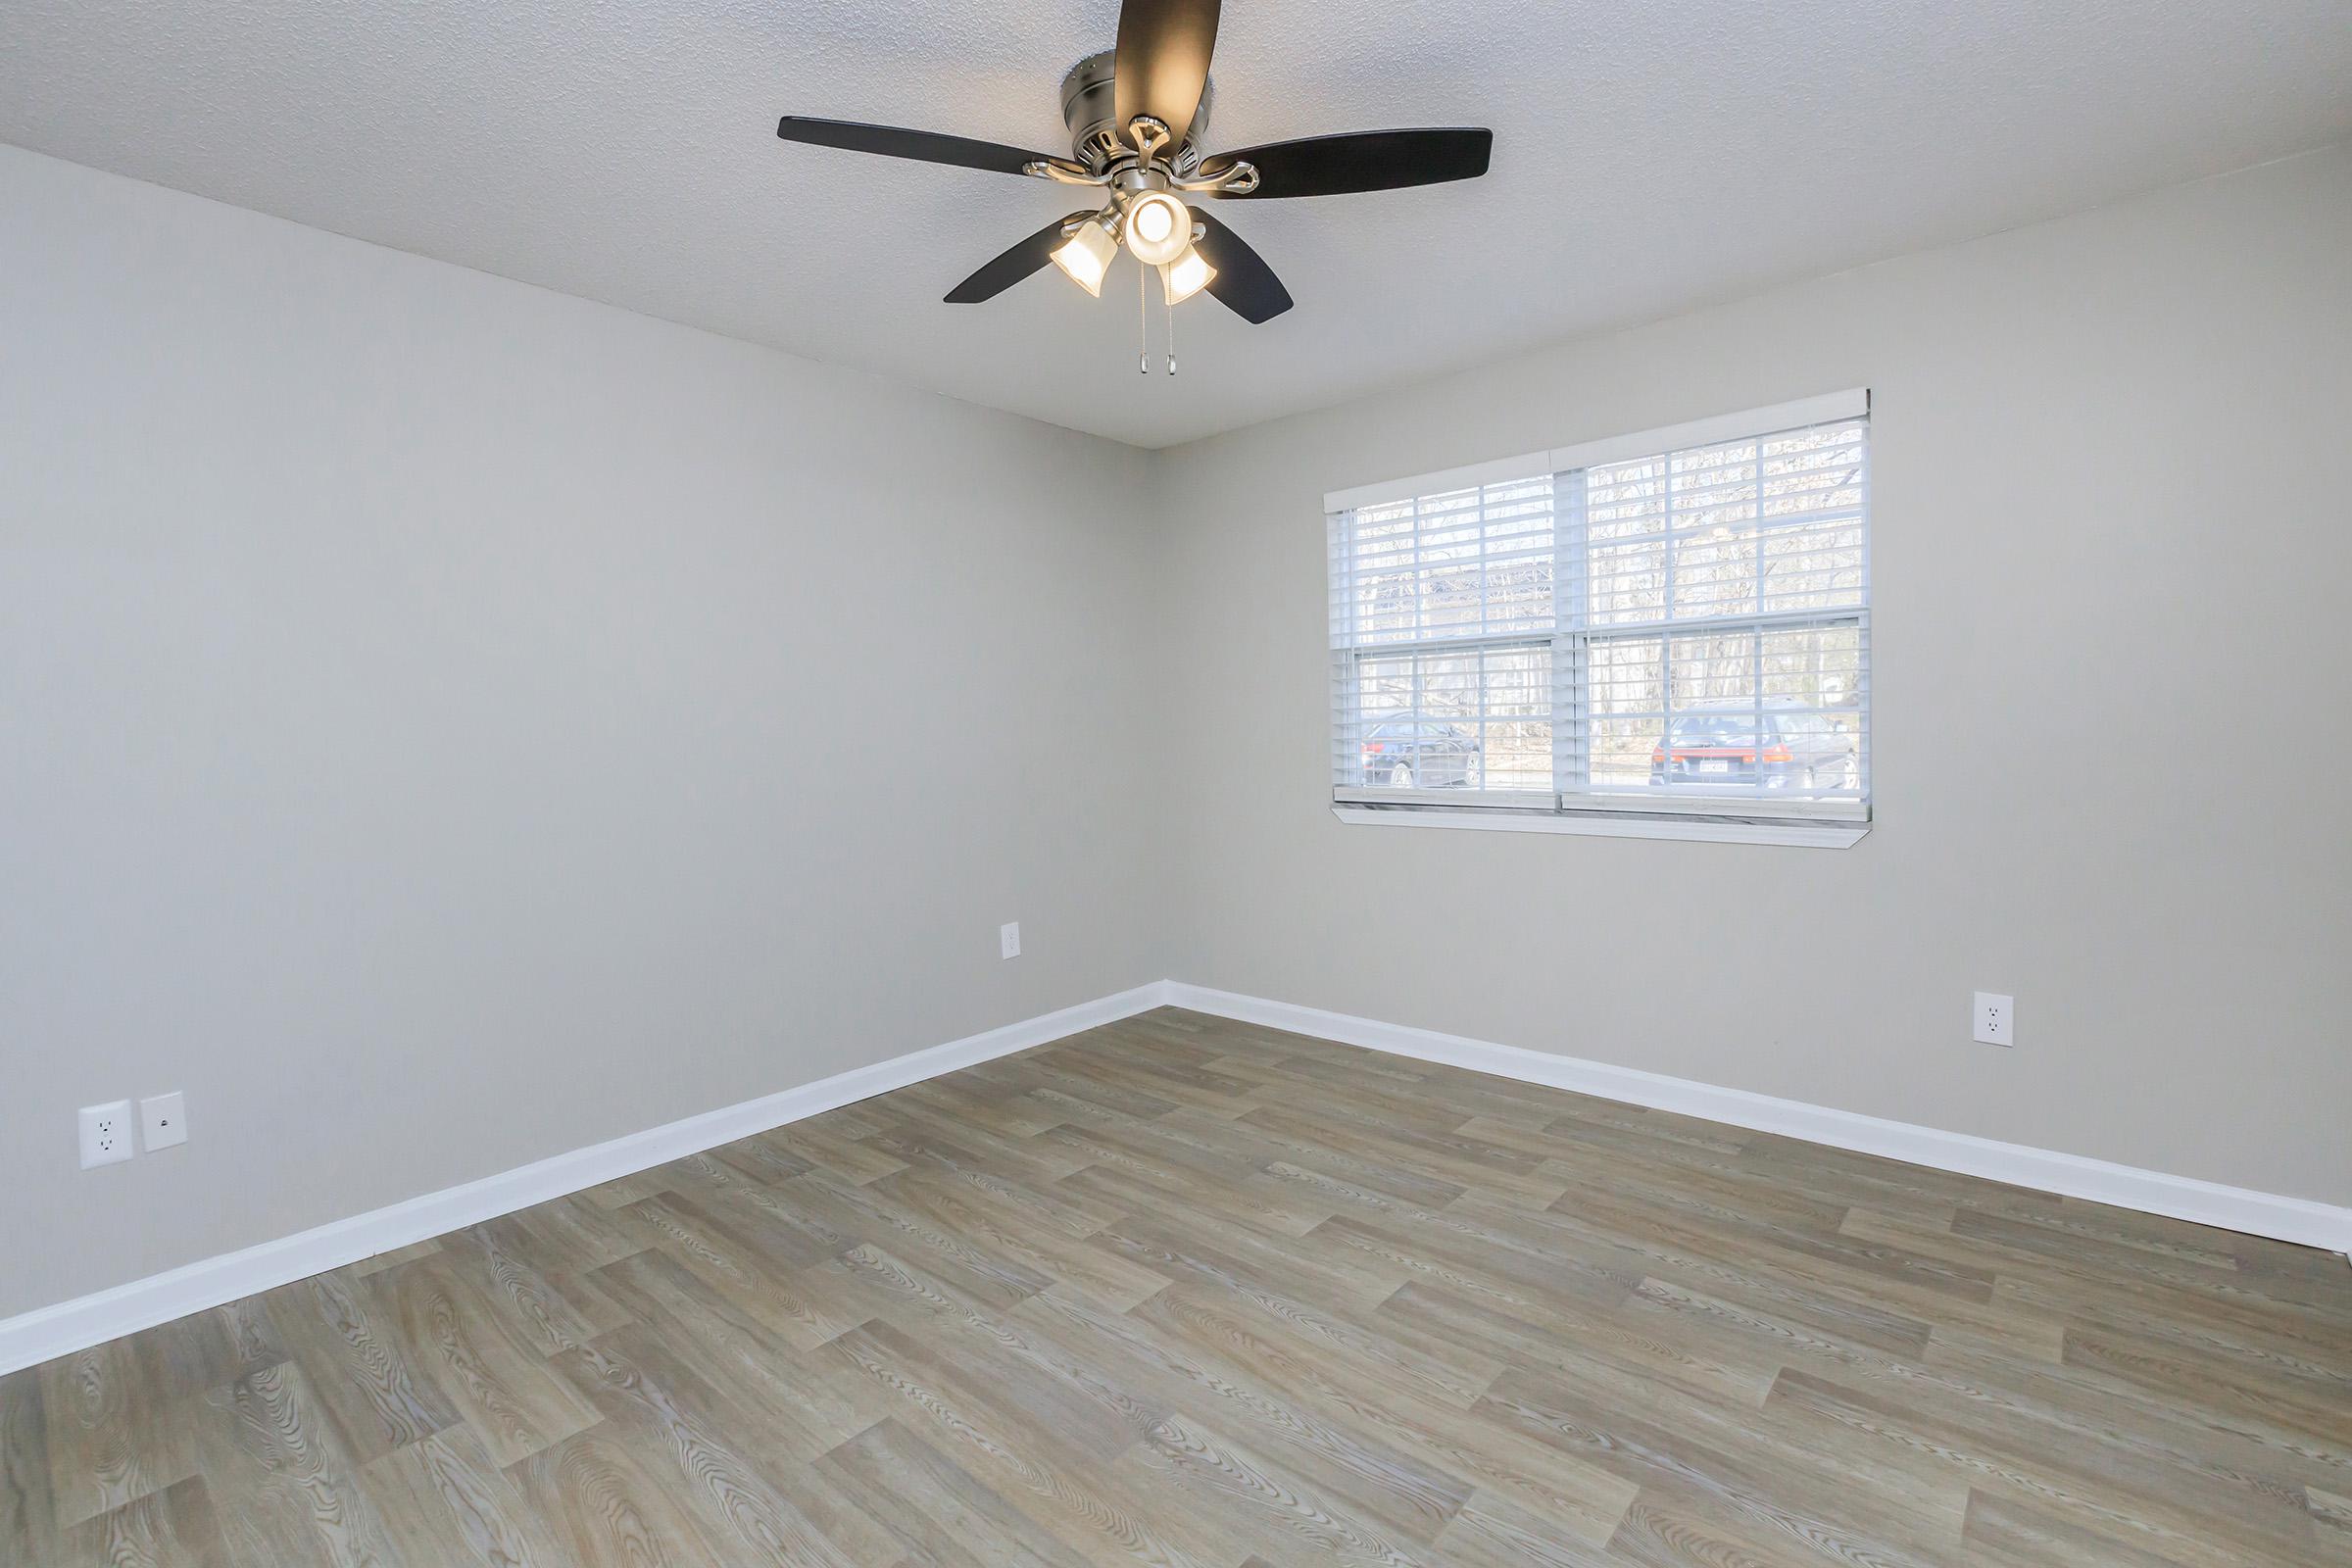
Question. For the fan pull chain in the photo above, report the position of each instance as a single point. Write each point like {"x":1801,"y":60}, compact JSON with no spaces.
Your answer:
{"x":1142,"y":324}
{"x":1170,"y":303}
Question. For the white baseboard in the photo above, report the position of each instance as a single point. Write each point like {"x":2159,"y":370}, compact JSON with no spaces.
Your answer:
{"x":69,"y":1326}
{"x":2237,"y":1208}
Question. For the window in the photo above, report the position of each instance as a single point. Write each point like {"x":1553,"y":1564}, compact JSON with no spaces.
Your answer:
{"x":1669,"y":625}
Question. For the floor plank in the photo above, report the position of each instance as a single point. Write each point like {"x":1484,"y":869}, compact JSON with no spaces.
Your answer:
{"x":1187,"y":1292}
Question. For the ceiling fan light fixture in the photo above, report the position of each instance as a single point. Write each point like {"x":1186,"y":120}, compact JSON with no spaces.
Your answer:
{"x":1138,"y":116}
{"x":1159,"y":227}
{"x":1086,"y":254}
{"x":1187,"y":275}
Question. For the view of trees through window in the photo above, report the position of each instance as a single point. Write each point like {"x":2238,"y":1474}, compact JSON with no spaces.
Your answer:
{"x":1689,"y":623}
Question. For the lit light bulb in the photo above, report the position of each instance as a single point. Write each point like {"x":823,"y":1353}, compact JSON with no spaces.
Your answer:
{"x":1086,"y":254}
{"x":1187,"y":275}
{"x":1159,"y":228}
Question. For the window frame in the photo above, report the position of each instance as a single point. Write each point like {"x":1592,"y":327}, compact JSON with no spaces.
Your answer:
{"x":1574,"y":804}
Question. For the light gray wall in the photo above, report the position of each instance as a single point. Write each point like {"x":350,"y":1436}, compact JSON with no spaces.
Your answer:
{"x":443,"y":724}
{"x":2113,"y":567}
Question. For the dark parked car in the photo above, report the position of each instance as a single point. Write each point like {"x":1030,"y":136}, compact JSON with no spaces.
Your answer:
{"x":1420,"y":754}
{"x":1715,"y":744}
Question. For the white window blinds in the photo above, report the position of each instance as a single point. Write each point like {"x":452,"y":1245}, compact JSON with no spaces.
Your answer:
{"x":1676,"y":622}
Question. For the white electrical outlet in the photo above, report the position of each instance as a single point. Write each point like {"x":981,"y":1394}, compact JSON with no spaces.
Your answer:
{"x":106,"y":1134}
{"x":1996,"y":1019}
{"x":163,"y":1121}
{"x":1008,"y":938}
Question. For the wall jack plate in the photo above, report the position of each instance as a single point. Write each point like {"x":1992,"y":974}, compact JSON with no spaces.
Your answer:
{"x":163,"y":1121}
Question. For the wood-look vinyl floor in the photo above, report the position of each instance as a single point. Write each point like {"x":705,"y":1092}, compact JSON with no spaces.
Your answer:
{"x":1181,"y":1291}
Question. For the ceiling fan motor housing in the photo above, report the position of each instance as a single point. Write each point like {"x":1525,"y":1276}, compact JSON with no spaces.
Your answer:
{"x":1095,"y":137}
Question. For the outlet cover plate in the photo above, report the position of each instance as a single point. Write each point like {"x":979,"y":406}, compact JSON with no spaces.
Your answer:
{"x":1996,"y":1019}
{"x":106,"y":1134}
{"x":163,"y":1121}
{"x":1009,"y":939}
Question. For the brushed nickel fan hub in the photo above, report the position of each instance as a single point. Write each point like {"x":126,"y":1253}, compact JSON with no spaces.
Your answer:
{"x":1098,"y":140}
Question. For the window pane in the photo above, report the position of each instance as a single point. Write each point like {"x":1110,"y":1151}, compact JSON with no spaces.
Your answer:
{"x":1470,"y":719}
{"x":1734,"y":710}
{"x":1714,"y":574}
{"x":1626,"y":707}
{"x":1759,"y":526}
{"x":1624,"y":499}
{"x":1465,"y":564}
{"x":1812,"y":518}
{"x":1627,"y":581}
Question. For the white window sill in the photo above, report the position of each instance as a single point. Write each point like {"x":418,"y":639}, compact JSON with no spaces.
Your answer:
{"x":1807,"y":835}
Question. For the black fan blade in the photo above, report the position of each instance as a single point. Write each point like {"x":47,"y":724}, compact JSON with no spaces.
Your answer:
{"x":891,"y":141}
{"x":1244,"y":285}
{"x":1162,"y":62}
{"x":1015,"y":263}
{"x":1364,"y":160}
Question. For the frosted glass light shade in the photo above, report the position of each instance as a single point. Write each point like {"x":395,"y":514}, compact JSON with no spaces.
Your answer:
{"x":1159,"y":228}
{"x":1187,"y":275}
{"x":1086,"y":256}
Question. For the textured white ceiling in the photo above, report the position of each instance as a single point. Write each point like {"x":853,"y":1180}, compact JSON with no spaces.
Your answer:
{"x":1648,"y":156}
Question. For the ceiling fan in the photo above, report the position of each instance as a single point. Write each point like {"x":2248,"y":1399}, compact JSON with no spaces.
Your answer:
{"x":1137,"y":116}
